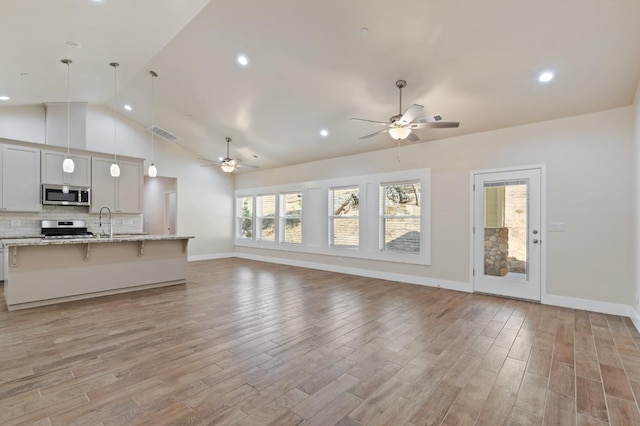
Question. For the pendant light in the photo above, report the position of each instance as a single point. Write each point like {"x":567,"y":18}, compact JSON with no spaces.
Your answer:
{"x":115,"y":169}
{"x":153,"y":171}
{"x":67,"y":165}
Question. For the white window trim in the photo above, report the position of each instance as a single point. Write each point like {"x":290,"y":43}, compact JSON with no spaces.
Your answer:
{"x":257,"y":221}
{"x":331,"y":217}
{"x":237,"y":218}
{"x":316,"y":206}
{"x":282,"y":218}
{"x":382,"y":217}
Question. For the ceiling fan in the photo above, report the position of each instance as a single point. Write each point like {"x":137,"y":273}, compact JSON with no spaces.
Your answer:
{"x":400,"y":126}
{"x":228,"y":164}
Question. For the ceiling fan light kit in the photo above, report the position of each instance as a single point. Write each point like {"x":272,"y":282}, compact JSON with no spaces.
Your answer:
{"x":399,"y":133}
{"x":400,"y":126}
{"x":228,"y":164}
{"x":227,"y":167}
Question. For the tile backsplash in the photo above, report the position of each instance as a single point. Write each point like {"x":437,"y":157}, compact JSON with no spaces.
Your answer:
{"x":17,"y":223}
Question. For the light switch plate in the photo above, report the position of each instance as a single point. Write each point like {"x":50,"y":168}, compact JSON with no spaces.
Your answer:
{"x":556,"y":227}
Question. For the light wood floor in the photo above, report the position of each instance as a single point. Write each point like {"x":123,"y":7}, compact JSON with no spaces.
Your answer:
{"x":250,"y":343}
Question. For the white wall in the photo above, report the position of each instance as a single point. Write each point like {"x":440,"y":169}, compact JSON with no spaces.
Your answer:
{"x":205,"y":194}
{"x":589,"y":170}
{"x":23,"y":123}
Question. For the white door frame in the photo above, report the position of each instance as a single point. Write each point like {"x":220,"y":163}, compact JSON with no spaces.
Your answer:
{"x":543,"y":221}
{"x":167,"y":205}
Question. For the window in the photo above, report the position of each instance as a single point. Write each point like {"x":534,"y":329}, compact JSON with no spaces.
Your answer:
{"x":381,"y":217}
{"x":344,"y":221}
{"x":291,"y":218}
{"x":244,"y":218}
{"x":265,"y":217}
{"x":400,"y":218}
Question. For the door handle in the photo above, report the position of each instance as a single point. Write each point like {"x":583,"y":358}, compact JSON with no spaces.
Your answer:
{"x":535,"y":241}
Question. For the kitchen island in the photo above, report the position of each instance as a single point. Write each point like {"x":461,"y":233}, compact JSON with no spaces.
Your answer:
{"x":43,"y":272}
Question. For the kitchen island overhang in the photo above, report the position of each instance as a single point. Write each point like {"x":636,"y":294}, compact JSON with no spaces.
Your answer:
{"x":43,"y":272}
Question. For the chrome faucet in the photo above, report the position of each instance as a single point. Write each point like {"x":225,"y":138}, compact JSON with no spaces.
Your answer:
{"x":110,"y":223}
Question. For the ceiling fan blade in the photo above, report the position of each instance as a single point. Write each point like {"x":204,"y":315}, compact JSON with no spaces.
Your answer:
{"x":369,"y":121}
{"x":435,"y":125}
{"x":247,"y":166}
{"x":413,"y":137}
{"x":206,"y":159}
{"x":374,"y":134}
{"x":430,"y":119}
{"x":209,"y":165}
{"x":411,"y":114}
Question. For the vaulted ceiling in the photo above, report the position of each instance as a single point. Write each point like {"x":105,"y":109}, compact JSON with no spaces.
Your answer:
{"x":313,"y":65}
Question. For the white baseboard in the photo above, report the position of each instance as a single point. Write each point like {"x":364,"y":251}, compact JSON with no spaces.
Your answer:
{"x":209,"y":256}
{"x":635,"y":318}
{"x":593,"y":306}
{"x":549,"y":299}
{"x":409,"y":279}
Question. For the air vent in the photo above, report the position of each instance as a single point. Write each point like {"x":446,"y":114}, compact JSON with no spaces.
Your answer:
{"x":163,"y":133}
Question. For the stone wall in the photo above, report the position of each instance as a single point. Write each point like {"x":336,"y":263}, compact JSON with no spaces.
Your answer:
{"x":515,"y":218}
{"x":496,"y":251}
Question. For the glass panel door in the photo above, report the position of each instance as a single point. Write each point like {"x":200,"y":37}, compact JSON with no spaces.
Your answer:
{"x":507,"y":233}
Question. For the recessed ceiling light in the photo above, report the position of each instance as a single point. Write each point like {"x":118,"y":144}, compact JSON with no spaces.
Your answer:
{"x":364,"y":30}
{"x":4,"y":98}
{"x":324,"y":133}
{"x":243,"y":60}
{"x":128,"y":107}
{"x":545,"y":77}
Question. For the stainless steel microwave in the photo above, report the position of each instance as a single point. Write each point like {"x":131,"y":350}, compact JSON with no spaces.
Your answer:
{"x":64,"y":195}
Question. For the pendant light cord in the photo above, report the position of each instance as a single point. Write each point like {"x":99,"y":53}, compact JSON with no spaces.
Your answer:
{"x":68,"y":101}
{"x":67,"y":62}
{"x":153,"y":120}
{"x":115,"y":66}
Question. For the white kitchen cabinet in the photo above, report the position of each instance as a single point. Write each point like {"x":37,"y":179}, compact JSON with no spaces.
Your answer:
{"x":130,"y":187}
{"x":122,"y":194}
{"x":20,"y":179}
{"x":52,"y":169}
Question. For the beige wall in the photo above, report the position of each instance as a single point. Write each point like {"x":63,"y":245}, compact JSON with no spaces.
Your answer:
{"x":204,"y":193}
{"x":155,"y":190}
{"x":589,"y":169}
{"x":636,"y":252}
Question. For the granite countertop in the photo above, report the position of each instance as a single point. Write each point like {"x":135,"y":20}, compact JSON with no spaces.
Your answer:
{"x":39,"y":241}
{"x":19,"y":236}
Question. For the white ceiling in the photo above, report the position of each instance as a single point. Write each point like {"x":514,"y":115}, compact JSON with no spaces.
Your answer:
{"x":311,"y":66}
